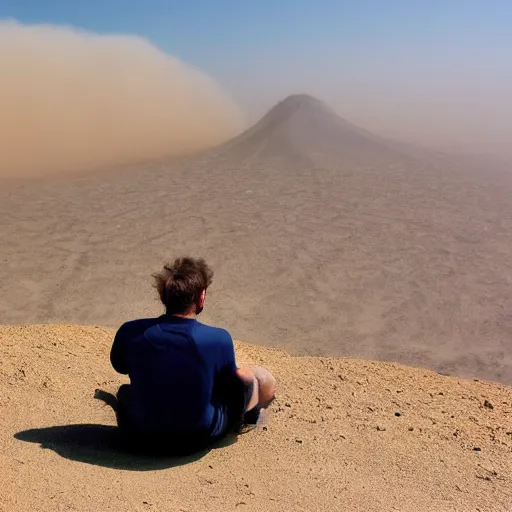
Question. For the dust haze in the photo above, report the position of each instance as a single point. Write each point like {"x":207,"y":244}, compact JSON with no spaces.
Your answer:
{"x":457,"y":103}
{"x":73,"y":100}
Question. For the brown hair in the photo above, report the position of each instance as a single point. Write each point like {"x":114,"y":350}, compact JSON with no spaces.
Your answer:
{"x":180,"y":284}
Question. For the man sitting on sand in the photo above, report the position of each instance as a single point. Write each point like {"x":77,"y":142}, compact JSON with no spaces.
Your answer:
{"x":186,"y":391}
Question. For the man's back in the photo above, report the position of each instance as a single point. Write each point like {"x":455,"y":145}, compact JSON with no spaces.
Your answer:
{"x":179,"y":370}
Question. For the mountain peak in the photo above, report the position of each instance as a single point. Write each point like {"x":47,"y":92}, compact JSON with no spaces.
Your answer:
{"x":302,"y":100}
{"x":295,"y":102}
{"x":302,"y":125}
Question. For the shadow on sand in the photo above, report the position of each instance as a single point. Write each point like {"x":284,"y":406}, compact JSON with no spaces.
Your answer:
{"x":101,"y":445}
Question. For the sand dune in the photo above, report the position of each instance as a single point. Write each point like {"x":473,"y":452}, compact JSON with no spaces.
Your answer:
{"x":326,"y":240}
{"x":332,"y":441}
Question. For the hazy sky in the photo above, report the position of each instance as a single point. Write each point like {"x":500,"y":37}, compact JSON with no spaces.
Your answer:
{"x":434,"y":71}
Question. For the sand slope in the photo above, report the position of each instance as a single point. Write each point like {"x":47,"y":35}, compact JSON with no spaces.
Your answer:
{"x":332,"y":440}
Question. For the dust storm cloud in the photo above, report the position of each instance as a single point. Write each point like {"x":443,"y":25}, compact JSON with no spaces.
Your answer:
{"x":72,"y":100}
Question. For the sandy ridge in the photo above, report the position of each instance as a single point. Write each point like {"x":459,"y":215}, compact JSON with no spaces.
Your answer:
{"x":333,"y":439}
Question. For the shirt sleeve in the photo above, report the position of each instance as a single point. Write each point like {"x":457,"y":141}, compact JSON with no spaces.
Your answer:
{"x":225,"y":365}
{"x":229,"y":359}
{"x":118,"y":352}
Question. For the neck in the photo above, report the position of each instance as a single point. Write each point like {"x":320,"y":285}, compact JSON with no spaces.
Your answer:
{"x":190,"y":315}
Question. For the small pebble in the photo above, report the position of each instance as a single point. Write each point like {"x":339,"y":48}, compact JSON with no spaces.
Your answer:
{"x":488,"y":404}
{"x":477,"y":449}
{"x":411,"y":429}
{"x":398,"y":414}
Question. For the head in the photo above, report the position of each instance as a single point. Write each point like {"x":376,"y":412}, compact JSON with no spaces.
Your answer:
{"x":182,"y":285}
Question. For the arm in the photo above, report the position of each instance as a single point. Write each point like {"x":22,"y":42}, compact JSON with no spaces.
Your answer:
{"x":117,"y":352}
{"x":228,"y":354}
{"x":225,"y":365}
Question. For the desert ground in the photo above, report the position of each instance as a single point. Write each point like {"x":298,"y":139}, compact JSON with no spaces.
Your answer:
{"x":343,"y":434}
{"x":325,"y":240}
{"x":339,"y":256}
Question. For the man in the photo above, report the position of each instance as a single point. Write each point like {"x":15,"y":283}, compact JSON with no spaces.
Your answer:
{"x":186,"y":391}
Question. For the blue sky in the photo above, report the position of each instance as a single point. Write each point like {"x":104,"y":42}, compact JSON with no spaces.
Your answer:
{"x":373,"y":60}
{"x":208,"y":32}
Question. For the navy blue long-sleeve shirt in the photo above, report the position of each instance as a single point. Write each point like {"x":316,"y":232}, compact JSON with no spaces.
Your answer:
{"x":170,"y":391}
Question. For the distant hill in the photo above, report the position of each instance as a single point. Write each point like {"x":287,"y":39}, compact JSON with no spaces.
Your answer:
{"x":301,"y":125}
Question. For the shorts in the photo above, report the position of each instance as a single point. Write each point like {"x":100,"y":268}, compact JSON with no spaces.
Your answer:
{"x":240,"y":394}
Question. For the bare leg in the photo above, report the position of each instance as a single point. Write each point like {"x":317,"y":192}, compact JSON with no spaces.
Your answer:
{"x":264,"y":385}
